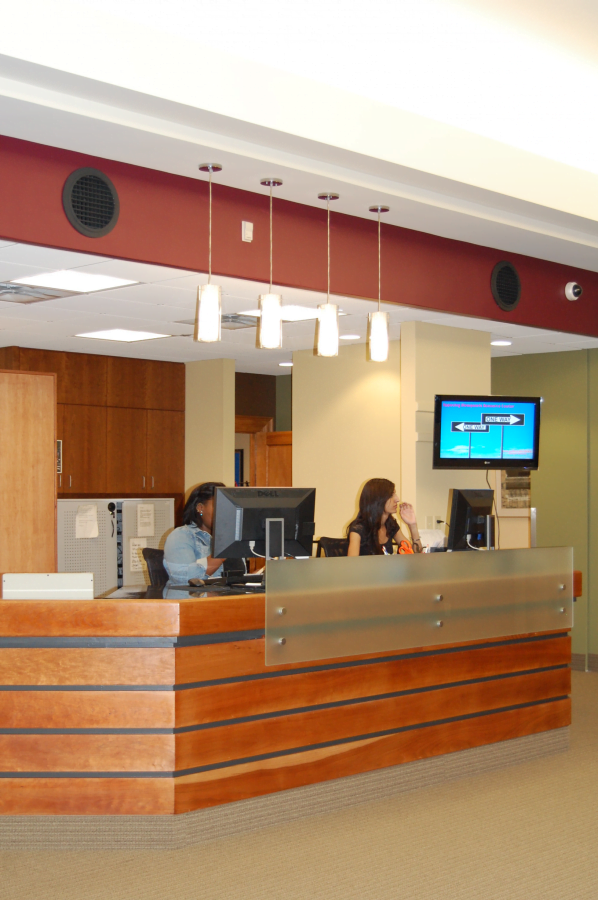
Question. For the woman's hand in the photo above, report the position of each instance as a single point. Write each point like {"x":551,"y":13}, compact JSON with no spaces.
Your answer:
{"x":407,"y":514}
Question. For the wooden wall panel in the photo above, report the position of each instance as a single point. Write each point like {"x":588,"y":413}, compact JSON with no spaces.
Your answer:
{"x":233,"y":783}
{"x":225,"y":701}
{"x":86,"y":666}
{"x":238,"y":658}
{"x":87,"y":796}
{"x":9,"y":357}
{"x":239,"y":740}
{"x":105,"y":618}
{"x":86,"y":753}
{"x":28,"y":472}
{"x":87,"y":709}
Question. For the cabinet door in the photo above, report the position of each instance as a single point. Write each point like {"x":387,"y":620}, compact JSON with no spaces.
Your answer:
{"x":127,"y":382}
{"x":165,"y":385}
{"x":127,"y":451}
{"x":165,"y":451}
{"x":60,"y":437}
{"x":83,"y":449}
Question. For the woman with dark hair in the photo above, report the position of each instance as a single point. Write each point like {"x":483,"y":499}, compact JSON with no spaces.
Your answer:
{"x":375,"y":529}
{"x":187,"y":551}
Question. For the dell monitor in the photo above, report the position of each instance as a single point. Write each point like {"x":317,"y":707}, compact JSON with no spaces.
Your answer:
{"x":485,"y":432}
{"x":466,"y":518}
{"x":247,"y":518}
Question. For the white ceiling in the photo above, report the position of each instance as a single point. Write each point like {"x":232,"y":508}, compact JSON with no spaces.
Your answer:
{"x":469,"y":118}
{"x":165,"y":296}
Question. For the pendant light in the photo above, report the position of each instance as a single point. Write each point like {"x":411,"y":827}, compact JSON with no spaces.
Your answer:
{"x":208,"y":312}
{"x":378,"y":321}
{"x":327,"y":324}
{"x":269,"y":329}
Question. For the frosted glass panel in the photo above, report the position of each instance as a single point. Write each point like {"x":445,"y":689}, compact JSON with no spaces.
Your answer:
{"x":326,"y":608}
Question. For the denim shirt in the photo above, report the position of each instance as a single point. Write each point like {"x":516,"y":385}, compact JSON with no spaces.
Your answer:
{"x":186,"y":554}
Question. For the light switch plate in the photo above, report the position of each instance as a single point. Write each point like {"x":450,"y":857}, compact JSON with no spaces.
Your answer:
{"x":247,"y":231}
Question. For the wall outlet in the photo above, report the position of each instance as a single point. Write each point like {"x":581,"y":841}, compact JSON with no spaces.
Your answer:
{"x":439,"y":520}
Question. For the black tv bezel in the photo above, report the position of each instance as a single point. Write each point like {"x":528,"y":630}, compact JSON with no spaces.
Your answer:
{"x":484,"y":464}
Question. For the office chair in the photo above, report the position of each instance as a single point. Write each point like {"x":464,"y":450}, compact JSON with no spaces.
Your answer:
{"x":155,"y":566}
{"x":328,"y":546}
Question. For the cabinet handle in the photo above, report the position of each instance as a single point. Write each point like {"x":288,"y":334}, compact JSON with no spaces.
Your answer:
{"x":152,"y":480}
{"x":144,"y":481}
{"x":70,"y":480}
{"x":60,"y":481}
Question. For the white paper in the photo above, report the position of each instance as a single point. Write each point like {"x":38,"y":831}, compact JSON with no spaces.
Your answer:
{"x":136,"y":545}
{"x":145,"y":520}
{"x":86,"y":521}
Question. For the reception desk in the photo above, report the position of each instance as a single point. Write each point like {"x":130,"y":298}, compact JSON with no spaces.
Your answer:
{"x":158,"y":707}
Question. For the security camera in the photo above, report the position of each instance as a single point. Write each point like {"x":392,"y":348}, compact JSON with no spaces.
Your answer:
{"x":573,"y":290}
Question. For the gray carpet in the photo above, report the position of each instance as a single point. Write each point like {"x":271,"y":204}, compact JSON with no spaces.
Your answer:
{"x":528,"y":831}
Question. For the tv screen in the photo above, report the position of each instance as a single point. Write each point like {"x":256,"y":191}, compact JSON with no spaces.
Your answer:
{"x":477,"y":432}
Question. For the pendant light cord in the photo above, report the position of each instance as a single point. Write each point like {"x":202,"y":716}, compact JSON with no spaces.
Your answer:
{"x":270,"y":237}
{"x":328,"y":214}
{"x":210,"y":233}
{"x":379,"y":264}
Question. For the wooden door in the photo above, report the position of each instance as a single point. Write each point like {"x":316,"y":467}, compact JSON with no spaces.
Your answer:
{"x":165,"y":451}
{"x":274,"y":459}
{"x":127,"y":451}
{"x":83,"y":449}
{"x":27,"y":472}
{"x":252,"y":425}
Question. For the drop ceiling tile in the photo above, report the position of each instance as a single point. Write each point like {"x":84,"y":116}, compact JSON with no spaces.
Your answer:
{"x":10,"y":271}
{"x":135,"y":271}
{"x":149,"y":294}
{"x":13,"y":324}
{"x":44,"y":311}
{"x":45,"y":257}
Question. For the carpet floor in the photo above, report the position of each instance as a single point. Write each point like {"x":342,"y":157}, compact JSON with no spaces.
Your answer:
{"x":527,"y":832}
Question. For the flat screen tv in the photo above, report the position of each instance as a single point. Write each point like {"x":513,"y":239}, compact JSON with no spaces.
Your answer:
{"x":477,"y":432}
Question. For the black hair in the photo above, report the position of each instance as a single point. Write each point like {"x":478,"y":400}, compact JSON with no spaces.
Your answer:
{"x":201,"y":494}
{"x":374,"y":496}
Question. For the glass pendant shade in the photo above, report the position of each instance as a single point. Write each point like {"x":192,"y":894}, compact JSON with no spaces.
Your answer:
{"x":269,"y":333}
{"x":327,"y":330}
{"x":378,"y":336}
{"x":208,"y":313}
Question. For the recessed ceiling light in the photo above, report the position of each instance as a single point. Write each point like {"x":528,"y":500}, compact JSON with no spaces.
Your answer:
{"x":501,"y":343}
{"x":73,"y":280}
{"x":285,"y":364}
{"x":121,"y":334}
{"x":349,"y":337}
{"x":292,"y":313}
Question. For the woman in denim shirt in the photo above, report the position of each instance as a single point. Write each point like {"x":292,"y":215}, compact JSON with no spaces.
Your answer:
{"x":187,"y":552}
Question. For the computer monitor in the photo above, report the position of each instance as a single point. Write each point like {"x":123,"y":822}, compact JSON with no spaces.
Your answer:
{"x":240,"y":528}
{"x":466,"y":515}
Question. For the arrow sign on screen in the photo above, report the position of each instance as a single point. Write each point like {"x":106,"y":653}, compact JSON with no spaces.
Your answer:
{"x":509,"y":419}
{"x":469,"y":426}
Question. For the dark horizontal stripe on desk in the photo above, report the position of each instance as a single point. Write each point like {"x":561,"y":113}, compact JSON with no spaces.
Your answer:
{"x":294,"y":750}
{"x":225,"y":637}
{"x":277,"y":714}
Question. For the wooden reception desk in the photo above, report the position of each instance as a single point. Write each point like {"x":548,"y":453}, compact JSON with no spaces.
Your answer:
{"x":145,"y":707}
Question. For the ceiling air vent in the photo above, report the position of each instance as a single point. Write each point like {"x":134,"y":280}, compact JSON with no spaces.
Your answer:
{"x":505,"y":284}
{"x":22,"y":293}
{"x":90,"y":202}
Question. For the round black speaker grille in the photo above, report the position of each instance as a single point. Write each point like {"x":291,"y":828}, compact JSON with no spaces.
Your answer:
{"x":90,"y":202}
{"x":506,"y":287}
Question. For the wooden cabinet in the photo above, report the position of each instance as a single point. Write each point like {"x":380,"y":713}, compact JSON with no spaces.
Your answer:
{"x":81,"y":377}
{"x":83,"y":435}
{"x":127,"y":451}
{"x":146,"y":451}
{"x":165,"y":451}
{"x":145,"y":384}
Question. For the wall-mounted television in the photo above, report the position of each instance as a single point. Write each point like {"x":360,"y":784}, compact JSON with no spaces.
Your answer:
{"x":477,"y":432}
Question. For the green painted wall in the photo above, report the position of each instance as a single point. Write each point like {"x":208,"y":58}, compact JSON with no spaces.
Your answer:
{"x":561,"y":488}
{"x":284,"y":404}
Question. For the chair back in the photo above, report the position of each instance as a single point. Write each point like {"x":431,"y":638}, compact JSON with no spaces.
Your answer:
{"x":155,"y":566}
{"x":328,"y":546}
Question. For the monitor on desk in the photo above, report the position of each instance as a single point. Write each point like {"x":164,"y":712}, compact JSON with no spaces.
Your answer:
{"x":264,"y":522}
{"x":467,"y":518}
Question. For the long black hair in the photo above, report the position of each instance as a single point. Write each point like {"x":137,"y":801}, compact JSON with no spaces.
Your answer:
{"x":375,"y":494}
{"x":201,"y":494}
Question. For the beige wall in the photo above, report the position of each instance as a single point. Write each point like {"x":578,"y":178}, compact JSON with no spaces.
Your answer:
{"x":436,"y":359}
{"x":346,"y":428}
{"x":209,"y":422}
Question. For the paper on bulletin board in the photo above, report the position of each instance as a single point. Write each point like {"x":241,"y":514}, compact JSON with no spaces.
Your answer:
{"x":86,"y":521}
{"x":136,"y":545}
{"x":145,"y":520}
